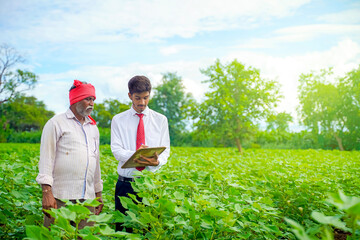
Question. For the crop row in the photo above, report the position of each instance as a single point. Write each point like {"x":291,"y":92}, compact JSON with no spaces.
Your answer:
{"x":202,"y":193}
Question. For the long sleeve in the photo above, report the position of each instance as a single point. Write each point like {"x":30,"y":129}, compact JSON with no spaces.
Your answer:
{"x":98,"y":183}
{"x":165,"y":142}
{"x":117,"y":146}
{"x":47,"y":154}
{"x":69,"y":157}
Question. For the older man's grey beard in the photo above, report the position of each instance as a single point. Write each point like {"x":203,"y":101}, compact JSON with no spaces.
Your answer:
{"x":84,"y":112}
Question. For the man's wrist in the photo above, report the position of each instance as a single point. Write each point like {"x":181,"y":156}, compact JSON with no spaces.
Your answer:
{"x":46,"y":188}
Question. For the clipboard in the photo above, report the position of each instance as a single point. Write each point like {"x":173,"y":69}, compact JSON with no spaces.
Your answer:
{"x":147,"y":152}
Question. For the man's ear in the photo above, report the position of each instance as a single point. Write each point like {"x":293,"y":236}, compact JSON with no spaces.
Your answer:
{"x":129,"y":94}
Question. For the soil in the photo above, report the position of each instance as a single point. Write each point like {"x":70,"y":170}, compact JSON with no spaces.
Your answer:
{"x":340,"y":235}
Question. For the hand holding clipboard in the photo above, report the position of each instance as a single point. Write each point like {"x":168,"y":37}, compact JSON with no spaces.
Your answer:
{"x":144,"y":152}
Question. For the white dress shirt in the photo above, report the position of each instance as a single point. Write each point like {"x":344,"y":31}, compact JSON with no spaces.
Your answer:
{"x":69,"y":157}
{"x":123,"y":137}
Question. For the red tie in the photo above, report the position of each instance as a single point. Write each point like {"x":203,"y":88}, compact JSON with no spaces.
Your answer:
{"x":140,"y":136}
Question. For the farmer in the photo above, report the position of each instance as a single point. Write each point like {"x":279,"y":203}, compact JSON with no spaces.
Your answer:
{"x":138,"y":127}
{"x":69,"y":154}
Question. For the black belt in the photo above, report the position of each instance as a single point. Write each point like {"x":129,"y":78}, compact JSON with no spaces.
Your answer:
{"x":125,"y":179}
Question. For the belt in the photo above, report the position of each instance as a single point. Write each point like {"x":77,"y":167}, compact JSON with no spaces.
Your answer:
{"x":125,"y":179}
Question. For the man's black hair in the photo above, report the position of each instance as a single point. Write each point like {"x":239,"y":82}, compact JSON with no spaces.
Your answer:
{"x":73,"y":86}
{"x":139,"y":84}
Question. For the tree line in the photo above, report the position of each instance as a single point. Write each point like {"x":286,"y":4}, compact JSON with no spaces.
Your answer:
{"x":238,"y":110}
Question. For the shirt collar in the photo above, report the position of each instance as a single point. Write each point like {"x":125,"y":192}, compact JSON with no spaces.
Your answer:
{"x":69,"y":114}
{"x":145,"y":112}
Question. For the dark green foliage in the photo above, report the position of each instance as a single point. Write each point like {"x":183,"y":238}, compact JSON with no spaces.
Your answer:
{"x":331,"y":108}
{"x":20,"y":201}
{"x":341,"y":226}
{"x":170,"y":99}
{"x":104,"y":112}
{"x":25,"y":137}
{"x":238,"y":98}
{"x":23,"y":117}
{"x":105,"y":135}
{"x":202,"y":193}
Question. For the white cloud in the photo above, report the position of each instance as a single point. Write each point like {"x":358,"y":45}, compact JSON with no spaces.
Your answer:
{"x":175,"y":49}
{"x":111,"y":82}
{"x":301,"y":34}
{"x":59,"y":21}
{"x":310,"y":31}
{"x":351,"y":16}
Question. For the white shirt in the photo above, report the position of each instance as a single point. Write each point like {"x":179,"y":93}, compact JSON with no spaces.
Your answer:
{"x":123,"y":137}
{"x":69,"y":157}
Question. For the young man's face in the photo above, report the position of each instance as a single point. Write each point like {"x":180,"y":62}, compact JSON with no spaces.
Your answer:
{"x":140,"y":100}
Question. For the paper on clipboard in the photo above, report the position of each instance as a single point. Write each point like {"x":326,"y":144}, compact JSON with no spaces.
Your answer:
{"x":146,"y":152}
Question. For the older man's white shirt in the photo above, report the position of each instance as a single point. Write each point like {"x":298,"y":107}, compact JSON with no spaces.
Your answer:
{"x":69,"y":157}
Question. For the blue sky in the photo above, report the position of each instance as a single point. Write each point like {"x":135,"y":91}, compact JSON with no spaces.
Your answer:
{"x":107,"y":42}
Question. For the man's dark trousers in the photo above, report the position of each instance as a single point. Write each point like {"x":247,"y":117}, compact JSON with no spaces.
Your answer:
{"x":123,"y":188}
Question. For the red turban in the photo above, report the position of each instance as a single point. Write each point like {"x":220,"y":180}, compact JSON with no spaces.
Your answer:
{"x":81,"y":91}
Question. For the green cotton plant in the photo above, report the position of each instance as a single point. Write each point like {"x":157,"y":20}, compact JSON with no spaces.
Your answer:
{"x":347,"y":221}
{"x":201,"y":193}
{"x":66,"y":224}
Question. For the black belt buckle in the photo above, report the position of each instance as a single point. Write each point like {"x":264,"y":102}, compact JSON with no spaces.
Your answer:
{"x":125,"y":179}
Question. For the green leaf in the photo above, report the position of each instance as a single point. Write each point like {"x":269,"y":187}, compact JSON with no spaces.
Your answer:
{"x":118,"y":217}
{"x":91,"y":203}
{"x":79,"y":209}
{"x":101,"y":218}
{"x":148,"y":218}
{"x":65,"y":213}
{"x":179,"y":195}
{"x":184,"y":182}
{"x":329,"y":220}
{"x":135,"y":219}
{"x":342,"y":201}
{"x":298,"y":230}
{"x":64,"y":224}
{"x":37,"y":233}
{"x":89,"y":237}
{"x":128,"y":203}
{"x":167,"y":205}
{"x":355,"y":210}
{"x":181,"y":210}
{"x":146,"y":201}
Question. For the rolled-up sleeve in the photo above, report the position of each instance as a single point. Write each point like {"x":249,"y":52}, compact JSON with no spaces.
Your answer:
{"x":47,"y":154}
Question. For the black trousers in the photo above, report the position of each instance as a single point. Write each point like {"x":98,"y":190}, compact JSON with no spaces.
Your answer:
{"x":123,"y":188}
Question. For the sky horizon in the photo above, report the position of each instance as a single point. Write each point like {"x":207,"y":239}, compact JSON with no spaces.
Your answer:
{"x":107,"y":42}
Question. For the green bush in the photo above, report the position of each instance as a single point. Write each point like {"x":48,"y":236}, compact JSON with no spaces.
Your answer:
{"x":24,"y":137}
{"x":105,"y":135}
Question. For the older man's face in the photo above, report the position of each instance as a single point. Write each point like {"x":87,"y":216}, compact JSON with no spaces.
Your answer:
{"x":85,"y":106}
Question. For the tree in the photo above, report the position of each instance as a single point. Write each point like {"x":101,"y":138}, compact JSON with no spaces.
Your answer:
{"x":104,"y":112}
{"x":23,"y":113}
{"x":237,"y":100}
{"x":170,"y":99}
{"x":13,"y":83}
{"x":321,"y":105}
{"x":279,"y":122}
{"x":349,"y":91}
